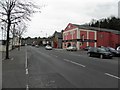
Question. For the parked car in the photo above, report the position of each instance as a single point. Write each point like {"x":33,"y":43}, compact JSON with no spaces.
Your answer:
{"x":118,"y":49}
{"x":71,"y":48}
{"x":48,"y":47}
{"x":99,"y":52}
{"x":113,"y":51}
{"x":37,"y":46}
{"x":87,"y":48}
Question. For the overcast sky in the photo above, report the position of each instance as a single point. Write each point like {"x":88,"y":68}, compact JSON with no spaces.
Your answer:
{"x":57,"y":14}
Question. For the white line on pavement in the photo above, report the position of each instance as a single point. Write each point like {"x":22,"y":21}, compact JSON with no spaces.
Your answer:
{"x":56,"y":56}
{"x":78,"y":64}
{"x":53,"y":55}
{"x":66,"y":60}
{"x":75,"y":63}
{"x":26,"y":71}
{"x":112,"y":75}
{"x":12,"y":58}
{"x":27,"y":87}
{"x":26,"y":62}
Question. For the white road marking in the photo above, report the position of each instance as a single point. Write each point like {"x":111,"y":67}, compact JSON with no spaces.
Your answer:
{"x":78,"y":64}
{"x":56,"y":56}
{"x":66,"y":60}
{"x":53,"y":55}
{"x":27,"y":87}
{"x":112,"y":75}
{"x":26,"y":71}
{"x":26,"y":64}
{"x":26,"y":61}
{"x":75,"y":63}
{"x":12,"y":58}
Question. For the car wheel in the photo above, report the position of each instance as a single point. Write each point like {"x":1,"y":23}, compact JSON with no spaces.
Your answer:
{"x":101,"y":56}
{"x":89,"y":54}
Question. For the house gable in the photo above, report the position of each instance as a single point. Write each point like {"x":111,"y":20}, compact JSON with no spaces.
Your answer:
{"x":70,"y":26}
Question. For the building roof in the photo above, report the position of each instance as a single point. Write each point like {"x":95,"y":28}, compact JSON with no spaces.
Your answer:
{"x":97,"y":29}
{"x":59,"y":34}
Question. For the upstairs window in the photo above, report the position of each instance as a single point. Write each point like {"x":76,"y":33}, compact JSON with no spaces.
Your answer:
{"x":69,"y":26}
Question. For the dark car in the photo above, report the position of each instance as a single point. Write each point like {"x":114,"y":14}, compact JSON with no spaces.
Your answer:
{"x":87,"y":48}
{"x":113,"y":51}
{"x":99,"y":52}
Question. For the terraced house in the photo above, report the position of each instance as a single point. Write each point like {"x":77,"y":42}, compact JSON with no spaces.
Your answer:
{"x":82,"y":36}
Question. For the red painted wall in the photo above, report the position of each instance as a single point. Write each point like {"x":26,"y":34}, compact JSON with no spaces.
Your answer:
{"x":115,"y":39}
{"x":103,"y":38}
{"x":69,"y":36}
{"x":107,"y":39}
{"x":92,"y":37}
{"x":75,"y":34}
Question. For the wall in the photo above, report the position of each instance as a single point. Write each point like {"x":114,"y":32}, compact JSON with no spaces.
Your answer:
{"x":107,"y":39}
{"x":3,"y":48}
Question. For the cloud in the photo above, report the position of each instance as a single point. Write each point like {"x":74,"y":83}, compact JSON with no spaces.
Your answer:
{"x":58,"y":13}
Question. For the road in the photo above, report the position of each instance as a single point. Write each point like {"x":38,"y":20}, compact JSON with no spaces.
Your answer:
{"x":58,"y":68}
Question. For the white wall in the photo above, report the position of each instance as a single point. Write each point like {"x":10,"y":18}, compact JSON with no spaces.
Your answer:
{"x":3,"y":47}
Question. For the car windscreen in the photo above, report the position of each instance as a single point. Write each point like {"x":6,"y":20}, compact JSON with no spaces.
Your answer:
{"x":102,"y":50}
{"x":112,"y":49}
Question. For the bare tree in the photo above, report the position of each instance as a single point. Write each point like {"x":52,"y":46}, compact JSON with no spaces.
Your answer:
{"x":17,"y":30}
{"x":20,"y":30}
{"x":12,"y":11}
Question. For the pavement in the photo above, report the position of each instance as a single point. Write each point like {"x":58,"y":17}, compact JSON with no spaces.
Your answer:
{"x":13,"y":70}
{"x":0,"y":70}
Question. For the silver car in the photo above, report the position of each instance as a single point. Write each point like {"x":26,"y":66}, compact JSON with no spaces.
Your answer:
{"x":118,"y":49}
{"x":71,"y":48}
{"x":48,"y":47}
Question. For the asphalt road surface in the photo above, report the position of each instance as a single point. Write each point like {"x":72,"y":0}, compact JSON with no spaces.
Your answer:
{"x":59,"y":68}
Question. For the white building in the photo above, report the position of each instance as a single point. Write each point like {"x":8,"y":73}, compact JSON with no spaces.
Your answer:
{"x":3,"y":46}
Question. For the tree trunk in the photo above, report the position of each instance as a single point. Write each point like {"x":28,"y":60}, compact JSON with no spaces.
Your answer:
{"x":7,"y":41}
{"x":19,"y":44}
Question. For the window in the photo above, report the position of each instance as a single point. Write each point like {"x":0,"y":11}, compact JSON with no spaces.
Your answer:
{"x":64,"y":44}
{"x":69,"y":26}
{"x":82,"y":37}
{"x":65,"y":34}
{"x":71,"y":32}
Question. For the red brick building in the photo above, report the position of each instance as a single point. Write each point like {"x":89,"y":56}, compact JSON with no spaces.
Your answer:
{"x":82,"y":36}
